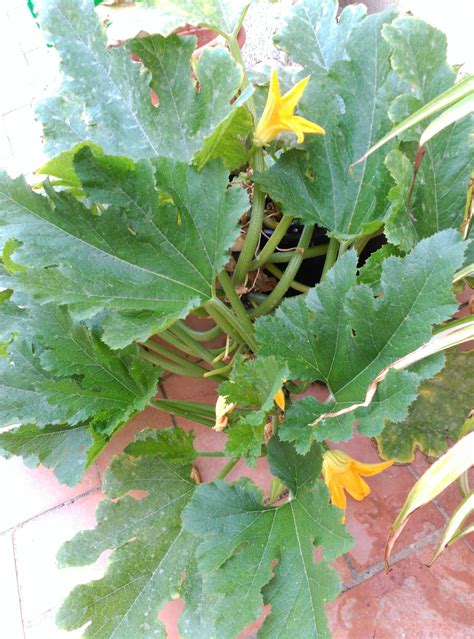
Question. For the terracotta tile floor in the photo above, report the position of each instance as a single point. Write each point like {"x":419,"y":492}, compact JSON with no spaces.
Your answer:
{"x":413,"y":601}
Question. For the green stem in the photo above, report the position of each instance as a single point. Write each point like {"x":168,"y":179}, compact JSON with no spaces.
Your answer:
{"x":275,"y":239}
{"x":201,"y":336}
{"x":269,"y":222}
{"x":297,"y":286}
{"x":281,"y":257}
{"x":172,"y":366}
{"x":174,"y":357}
{"x":331,"y":255}
{"x":255,"y":226}
{"x":288,"y":276}
{"x":214,"y":310}
{"x":235,"y":302}
{"x":230,"y":324}
{"x":227,"y":468}
{"x":205,"y":453}
{"x":188,"y":410}
{"x":224,"y":370}
{"x":188,"y":344}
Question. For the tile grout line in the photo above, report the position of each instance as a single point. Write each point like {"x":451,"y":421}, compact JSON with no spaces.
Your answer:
{"x":68,"y":502}
{"x":18,"y":587}
{"x":404,"y":553}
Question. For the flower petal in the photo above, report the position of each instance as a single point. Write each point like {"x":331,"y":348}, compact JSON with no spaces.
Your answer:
{"x":307,"y":126}
{"x":294,"y":95}
{"x":338,"y":497}
{"x":366,"y":470}
{"x":355,"y":485}
{"x":279,"y":399}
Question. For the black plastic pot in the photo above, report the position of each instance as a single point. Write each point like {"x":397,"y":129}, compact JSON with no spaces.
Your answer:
{"x":311,"y":269}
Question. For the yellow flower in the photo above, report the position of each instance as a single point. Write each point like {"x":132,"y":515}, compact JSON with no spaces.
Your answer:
{"x":278,"y":114}
{"x":279,"y":399}
{"x":342,"y":472}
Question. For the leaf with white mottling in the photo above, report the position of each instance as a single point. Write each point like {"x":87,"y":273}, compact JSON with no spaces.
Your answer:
{"x":105,"y":96}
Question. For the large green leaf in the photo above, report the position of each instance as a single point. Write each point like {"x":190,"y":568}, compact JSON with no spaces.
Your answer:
{"x":351,"y":336}
{"x":350,"y":99}
{"x":438,"y":199}
{"x":165,"y":16}
{"x":67,"y":389}
{"x":437,"y":415}
{"x":151,"y":552}
{"x":254,"y":383}
{"x":312,"y":35}
{"x":21,"y":400}
{"x":228,"y":141}
{"x":105,"y":96}
{"x":241,"y":538}
{"x":143,"y":262}
{"x":63,"y":448}
{"x":90,"y":381}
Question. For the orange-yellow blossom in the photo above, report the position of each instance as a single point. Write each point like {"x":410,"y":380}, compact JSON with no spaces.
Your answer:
{"x":278,"y":115}
{"x":342,"y":472}
{"x":279,"y":399}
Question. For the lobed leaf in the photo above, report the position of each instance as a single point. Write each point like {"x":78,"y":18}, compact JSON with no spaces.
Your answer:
{"x":64,"y":448}
{"x":353,"y":336}
{"x":436,"y":416}
{"x":150,"y":549}
{"x":241,"y":539}
{"x":254,"y":384}
{"x":66,"y":389}
{"x":349,"y":94}
{"x":105,"y":97}
{"x":165,"y":16}
{"x":144,"y":262}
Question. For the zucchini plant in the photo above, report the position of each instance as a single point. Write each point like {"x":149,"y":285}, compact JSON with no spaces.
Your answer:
{"x":161,"y":239}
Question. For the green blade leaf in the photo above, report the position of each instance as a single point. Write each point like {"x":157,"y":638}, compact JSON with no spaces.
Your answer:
{"x":143,"y":262}
{"x":63,"y":448}
{"x":436,"y":416}
{"x":438,"y":198}
{"x":454,"y":113}
{"x":461,"y":91}
{"x":315,"y":184}
{"x":454,"y":530}
{"x":354,"y":336}
{"x":105,"y":97}
{"x":241,"y":538}
{"x":150,"y":549}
